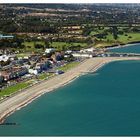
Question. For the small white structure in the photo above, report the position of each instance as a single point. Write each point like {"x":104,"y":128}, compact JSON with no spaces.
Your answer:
{"x":88,"y":50}
{"x":26,"y":57}
{"x":4,"y":58}
{"x":82,"y":55}
{"x":49,"y":50}
{"x":68,"y":52}
{"x":32,"y":71}
{"x":27,"y":66}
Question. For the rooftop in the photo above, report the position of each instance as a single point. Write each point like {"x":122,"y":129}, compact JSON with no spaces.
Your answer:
{"x":6,"y":36}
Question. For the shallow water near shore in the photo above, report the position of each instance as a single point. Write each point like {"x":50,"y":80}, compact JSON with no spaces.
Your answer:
{"x":132,"y":48}
{"x":103,"y":104}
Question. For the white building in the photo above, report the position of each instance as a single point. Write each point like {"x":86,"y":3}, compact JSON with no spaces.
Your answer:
{"x":49,"y":50}
{"x":68,"y":52}
{"x":82,"y":55}
{"x":32,"y":71}
{"x":88,"y":50}
{"x":4,"y":58}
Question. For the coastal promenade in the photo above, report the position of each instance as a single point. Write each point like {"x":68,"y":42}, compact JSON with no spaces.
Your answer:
{"x":24,"y":97}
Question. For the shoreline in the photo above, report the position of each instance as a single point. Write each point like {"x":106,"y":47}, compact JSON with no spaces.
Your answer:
{"x":121,"y":46}
{"x":22,"y":98}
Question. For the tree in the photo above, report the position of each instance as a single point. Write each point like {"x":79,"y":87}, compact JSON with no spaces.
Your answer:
{"x":39,"y":46}
{"x":115,"y":32}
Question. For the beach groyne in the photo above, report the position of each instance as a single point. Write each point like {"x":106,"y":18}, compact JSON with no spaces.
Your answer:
{"x":25,"y":97}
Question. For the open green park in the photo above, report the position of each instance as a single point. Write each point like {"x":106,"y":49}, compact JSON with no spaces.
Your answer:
{"x":30,"y":46}
{"x":108,"y":39}
{"x":122,"y":39}
{"x":12,"y":89}
{"x":68,"y":66}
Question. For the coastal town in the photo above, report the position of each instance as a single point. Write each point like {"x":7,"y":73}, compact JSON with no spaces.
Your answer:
{"x":53,"y":44}
{"x":19,"y":72}
{"x":45,"y":47}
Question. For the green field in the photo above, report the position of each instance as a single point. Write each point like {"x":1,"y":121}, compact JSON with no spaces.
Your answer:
{"x":125,"y":38}
{"x":23,"y":54}
{"x":68,"y":66}
{"x":30,"y":46}
{"x":98,"y":31}
{"x":32,"y":43}
{"x":19,"y":86}
{"x":65,"y":45}
{"x":125,"y":35}
{"x":14,"y":88}
{"x":43,"y":76}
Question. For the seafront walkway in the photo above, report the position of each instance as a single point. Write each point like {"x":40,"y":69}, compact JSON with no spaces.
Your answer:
{"x":24,"y":97}
{"x":128,"y":54}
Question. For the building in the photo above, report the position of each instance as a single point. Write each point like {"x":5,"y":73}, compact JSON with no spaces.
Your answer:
{"x":42,"y":66}
{"x":49,"y":50}
{"x":89,"y":50}
{"x":13,"y":73}
{"x":6,"y":57}
{"x":85,"y":55}
{"x":33,"y":71}
{"x":6,"y":36}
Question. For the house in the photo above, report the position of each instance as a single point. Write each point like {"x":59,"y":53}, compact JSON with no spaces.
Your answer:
{"x":42,"y":66}
{"x":33,"y":71}
{"x":4,"y":58}
{"x":59,"y":57}
{"x":49,"y":50}
{"x":13,"y":73}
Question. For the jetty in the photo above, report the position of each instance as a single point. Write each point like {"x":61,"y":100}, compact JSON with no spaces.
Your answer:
{"x":24,"y":97}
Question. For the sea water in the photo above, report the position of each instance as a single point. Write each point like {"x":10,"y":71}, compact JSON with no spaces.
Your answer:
{"x":132,"y":48}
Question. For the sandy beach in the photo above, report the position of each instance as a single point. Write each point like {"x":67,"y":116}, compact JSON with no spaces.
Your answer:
{"x":27,"y":96}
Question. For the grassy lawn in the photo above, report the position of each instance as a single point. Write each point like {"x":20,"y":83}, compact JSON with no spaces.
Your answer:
{"x":93,"y":33}
{"x":12,"y":89}
{"x":98,"y":31}
{"x":43,"y":76}
{"x":59,"y":45}
{"x":68,"y":66}
{"x":30,"y":46}
{"x":103,"y":44}
{"x":125,"y":38}
{"x":22,"y":55}
{"x":32,"y":43}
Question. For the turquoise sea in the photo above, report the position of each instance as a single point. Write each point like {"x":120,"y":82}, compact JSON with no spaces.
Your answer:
{"x":132,"y":48}
{"x":106,"y":103}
